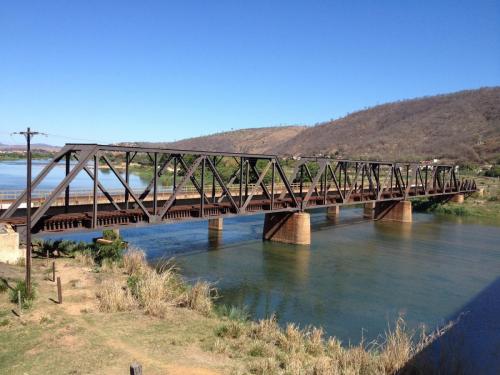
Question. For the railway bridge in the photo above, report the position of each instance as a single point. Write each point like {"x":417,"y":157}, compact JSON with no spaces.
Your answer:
{"x":201,"y":185}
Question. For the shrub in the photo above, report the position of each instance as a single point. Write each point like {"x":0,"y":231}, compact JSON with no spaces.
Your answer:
{"x":493,"y":171}
{"x":26,"y":298}
{"x":110,"y":234}
{"x":112,"y":252}
{"x":233,"y":312}
{"x":3,"y":286}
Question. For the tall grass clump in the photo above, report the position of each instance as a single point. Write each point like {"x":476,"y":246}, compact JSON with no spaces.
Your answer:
{"x":113,"y":297}
{"x":134,"y":261}
{"x":26,"y":298}
{"x":271,"y":349}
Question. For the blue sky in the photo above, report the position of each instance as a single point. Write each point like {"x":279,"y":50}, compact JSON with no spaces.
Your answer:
{"x":113,"y":71}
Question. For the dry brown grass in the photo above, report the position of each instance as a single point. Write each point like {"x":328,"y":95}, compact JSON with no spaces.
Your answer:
{"x":85,"y":259}
{"x":112,"y":296}
{"x":134,"y":261}
{"x":271,"y":349}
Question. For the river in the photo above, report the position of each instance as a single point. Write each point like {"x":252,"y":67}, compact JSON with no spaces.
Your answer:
{"x":355,"y":278}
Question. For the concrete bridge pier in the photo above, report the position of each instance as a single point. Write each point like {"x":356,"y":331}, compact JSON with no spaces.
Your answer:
{"x":333,"y":212}
{"x":369,"y":210}
{"x":458,"y":198}
{"x":400,"y":211}
{"x":216,"y":224}
{"x":288,"y":227}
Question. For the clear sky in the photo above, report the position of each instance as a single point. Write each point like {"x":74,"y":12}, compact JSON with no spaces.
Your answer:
{"x":113,"y":71}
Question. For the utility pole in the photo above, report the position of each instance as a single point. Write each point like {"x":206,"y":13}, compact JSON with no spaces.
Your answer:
{"x":28,"y":134}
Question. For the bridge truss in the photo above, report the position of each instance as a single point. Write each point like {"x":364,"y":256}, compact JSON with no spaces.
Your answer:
{"x":221,"y":184}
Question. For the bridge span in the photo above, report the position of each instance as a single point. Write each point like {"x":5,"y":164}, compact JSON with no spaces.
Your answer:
{"x":194,"y":185}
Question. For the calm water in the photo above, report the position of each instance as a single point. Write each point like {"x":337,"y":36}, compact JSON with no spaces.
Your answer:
{"x":13,"y":177}
{"x":355,"y":278}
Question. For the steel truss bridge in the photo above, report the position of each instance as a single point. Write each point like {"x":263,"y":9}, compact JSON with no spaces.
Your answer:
{"x":216,"y":184}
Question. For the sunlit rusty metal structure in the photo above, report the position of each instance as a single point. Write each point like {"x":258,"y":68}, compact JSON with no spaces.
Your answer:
{"x":256,"y":184}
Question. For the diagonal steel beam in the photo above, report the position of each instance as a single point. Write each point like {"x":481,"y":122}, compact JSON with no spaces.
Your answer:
{"x":86,"y":154}
{"x":193,"y":178}
{"x":254,"y":188}
{"x":148,"y":188}
{"x":185,"y":178}
{"x":222,"y":184}
{"x":292,"y":176}
{"x":262,"y":184}
{"x":101,"y":187}
{"x":45,"y":171}
{"x":281,"y":172}
{"x":127,"y":187}
{"x":230,"y":182}
{"x":314,"y":183}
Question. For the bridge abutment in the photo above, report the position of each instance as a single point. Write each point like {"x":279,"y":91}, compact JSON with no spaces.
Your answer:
{"x":288,"y":227}
{"x":394,"y":211}
{"x":10,"y":252}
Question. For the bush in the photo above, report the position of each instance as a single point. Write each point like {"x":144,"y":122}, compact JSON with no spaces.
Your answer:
{"x":233,"y":312}
{"x":110,"y":234}
{"x":26,"y":298}
{"x":113,"y":251}
{"x":493,"y":171}
{"x":3,"y":286}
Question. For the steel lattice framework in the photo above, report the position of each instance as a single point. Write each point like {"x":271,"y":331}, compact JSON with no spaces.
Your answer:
{"x":248,"y":184}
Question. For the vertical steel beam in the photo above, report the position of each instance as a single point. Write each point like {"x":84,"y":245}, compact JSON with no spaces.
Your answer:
{"x":155,"y":184}
{"x":174,"y":182}
{"x":213,"y":180}
{"x":241,"y":183}
{"x":127,"y":177}
{"x":96,"y":179}
{"x":66,"y":192}
{"x":272,"y":184}
{"x":247,"y":178}
{"x":202,"y":188}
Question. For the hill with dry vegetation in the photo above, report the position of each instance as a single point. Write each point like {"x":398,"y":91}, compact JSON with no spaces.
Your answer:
{"x":462,"y":126}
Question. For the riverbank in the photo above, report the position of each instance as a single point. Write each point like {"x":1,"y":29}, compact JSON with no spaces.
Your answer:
{"x":481,"y":205}
{"x":124,"y":311}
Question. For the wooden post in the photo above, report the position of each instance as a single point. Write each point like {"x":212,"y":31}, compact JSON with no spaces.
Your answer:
{"x":59,"y":290}
{"x":135,"y":369}
{"x":19,"y":302}
{"x":47,"y":258}
{"x":53,"y":271}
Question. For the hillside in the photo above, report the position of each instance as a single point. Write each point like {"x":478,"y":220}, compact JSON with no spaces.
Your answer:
{"x":255,"y":140}
{"x":460,"y":126}
{"x":463,"y":126}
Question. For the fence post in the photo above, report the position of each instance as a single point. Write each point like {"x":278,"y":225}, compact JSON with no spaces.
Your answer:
{"x":53,"y":271}
{"x":59,"y":290}
{"x":19,"y":302}
{"x":135,"y":369}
